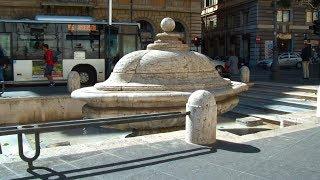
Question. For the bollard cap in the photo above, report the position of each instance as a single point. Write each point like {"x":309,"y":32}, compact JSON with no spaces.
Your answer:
{"x":201,"y":98}
{"x":244,"y":68}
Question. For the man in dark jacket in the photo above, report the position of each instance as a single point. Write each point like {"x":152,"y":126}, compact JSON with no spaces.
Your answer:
{"x":305,"y":55}
{"x":2,"y":63}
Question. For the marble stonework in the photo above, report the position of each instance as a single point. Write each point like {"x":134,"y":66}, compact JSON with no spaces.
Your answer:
{"x":159,"y":79}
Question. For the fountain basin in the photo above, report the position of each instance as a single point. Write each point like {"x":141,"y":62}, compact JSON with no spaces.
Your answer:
{"x":104,"y":104}
{"x":159,"y":79}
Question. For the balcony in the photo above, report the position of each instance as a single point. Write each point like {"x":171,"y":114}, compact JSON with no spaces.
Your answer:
{"x":70,"y":3}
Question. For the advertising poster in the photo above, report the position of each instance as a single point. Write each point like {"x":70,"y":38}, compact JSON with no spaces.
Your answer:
{"x":38,"y":70}
{"x":268,"y":52}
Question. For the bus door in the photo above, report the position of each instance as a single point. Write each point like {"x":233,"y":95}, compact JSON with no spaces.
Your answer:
{"x":6,"y":47}
{"x":121,"y":40}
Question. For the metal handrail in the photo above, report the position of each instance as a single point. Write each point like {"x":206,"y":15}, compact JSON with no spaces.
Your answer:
{"x":73,"y":124}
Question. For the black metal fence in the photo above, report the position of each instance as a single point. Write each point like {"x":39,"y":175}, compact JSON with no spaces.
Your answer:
{"x":36,"y":129}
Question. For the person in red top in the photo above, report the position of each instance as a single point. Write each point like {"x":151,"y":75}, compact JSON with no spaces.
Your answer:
{"x":49,"y":63}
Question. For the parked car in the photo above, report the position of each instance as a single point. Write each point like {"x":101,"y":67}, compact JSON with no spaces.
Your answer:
{"x":291,"y":59}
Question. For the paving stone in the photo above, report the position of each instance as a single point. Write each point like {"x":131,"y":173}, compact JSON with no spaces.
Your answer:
{"x":136,"y":152}
{"x":21,"y":167}
{"x":180,"y":165}
{"x":104,"y":166}
{"x":270,"y":146}
{"x":5,"y":173}
{"x":250,"y":121}
{"x":302,"y":134}
{"x":277,"y":171}
{"x":175,"y":145}
{"x":206,"y":172}
{"x":151,"y":175}
{"x":308,"y":158}
{"x":75,"y":157}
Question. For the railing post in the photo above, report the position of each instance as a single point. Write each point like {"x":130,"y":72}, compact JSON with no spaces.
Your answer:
{"x":74,"y":81}
{"x":202,"y":121}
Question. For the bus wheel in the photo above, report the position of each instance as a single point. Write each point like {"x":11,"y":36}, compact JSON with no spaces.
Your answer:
{"x":87,"y":75}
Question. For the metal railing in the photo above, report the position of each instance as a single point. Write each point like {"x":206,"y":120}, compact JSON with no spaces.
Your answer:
{"x":36,"y":129}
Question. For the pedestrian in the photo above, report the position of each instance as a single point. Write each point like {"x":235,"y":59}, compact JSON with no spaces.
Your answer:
{"x":233,"y":63}
{"x":49,"y":64}
{"x":305,"y":56}
{"x":3,"y":63}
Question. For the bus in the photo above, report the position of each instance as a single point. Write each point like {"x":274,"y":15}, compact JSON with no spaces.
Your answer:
{"x":84,"y":45}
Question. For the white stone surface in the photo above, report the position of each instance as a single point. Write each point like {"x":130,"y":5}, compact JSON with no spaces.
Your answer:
{"x":202,"y":121}
{"x":167,"y":24}
{"x":39,"y":109}
{"x":159,"y":79}
{"x":74,"y":81}
{"x":318,"y":102}
{"x":245,"y":74}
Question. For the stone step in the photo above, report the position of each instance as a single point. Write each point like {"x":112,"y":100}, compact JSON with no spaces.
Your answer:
{"x":273,"y":108}
{"x":256,"y":112}
{"x":286,"y":105}
{"x":286,"y":93}
{"x":283,"y":86}
{"x":280,"y":98}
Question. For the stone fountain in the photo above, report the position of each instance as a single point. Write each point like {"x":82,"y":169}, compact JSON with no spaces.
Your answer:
{"x":159,"y":79}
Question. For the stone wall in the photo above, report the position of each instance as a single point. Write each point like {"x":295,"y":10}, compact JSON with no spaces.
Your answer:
{"x":39,"y":109}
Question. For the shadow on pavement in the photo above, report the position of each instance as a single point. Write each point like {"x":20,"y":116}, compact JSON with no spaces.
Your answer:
{"x":138,"y":163}
{"x":235,"y":147}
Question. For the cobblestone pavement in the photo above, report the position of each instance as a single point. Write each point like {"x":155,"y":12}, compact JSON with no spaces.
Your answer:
{"x":289,"y":156}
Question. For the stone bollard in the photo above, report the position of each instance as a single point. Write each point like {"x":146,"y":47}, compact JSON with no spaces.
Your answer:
{"x":73,"y":81}
{"x":245,"y":74}
{"x":318,"y":103}
{"x":202,"y":121}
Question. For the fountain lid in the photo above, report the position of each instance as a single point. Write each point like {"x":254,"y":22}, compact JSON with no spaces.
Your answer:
{"x":166,"y":65}
{"x":168,"y":40}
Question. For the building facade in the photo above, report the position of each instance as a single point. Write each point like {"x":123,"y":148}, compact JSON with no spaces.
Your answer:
{"x":246,"y":28}
{"x":148,"y":13}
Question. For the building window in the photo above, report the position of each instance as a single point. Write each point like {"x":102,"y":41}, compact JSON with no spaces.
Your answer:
{"x":283,"y":16}
{"x":213,"y":22}
{"x":230,"y":21}
{"x":245,"y":18}
{"x":208,"y":3}
{"x":311,"y":16}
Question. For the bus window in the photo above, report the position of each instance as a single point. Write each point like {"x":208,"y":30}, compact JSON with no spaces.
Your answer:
{"x":5,"y":45}
{"x":30,"y":38}
{"x":129,"y":43}
{"x":113,"y":51}
{"x":85,"y":38}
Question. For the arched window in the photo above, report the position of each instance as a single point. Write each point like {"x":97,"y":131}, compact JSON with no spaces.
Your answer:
{"x":181,"y":30}
{"x":147,"y":33}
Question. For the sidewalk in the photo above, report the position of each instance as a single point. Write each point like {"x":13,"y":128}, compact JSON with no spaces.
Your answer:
{"x":285,"y":75}
{"x":289,"y":156}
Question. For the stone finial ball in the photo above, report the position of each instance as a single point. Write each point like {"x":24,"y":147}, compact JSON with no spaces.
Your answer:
{"x":168,"y":24}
